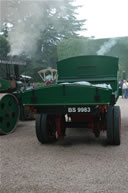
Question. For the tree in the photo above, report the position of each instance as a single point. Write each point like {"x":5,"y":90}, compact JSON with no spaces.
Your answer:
{"x":39,"y":26}
{"x":4,"y":47}
{"x":62,"y":24}
{"x":84,"y":46}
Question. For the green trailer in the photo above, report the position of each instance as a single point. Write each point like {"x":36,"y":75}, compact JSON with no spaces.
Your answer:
{"x":85,"y":96}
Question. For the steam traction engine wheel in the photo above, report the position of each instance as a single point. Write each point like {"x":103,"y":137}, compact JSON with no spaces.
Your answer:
{"x":46,"y":128}
{"x":9,"y":113}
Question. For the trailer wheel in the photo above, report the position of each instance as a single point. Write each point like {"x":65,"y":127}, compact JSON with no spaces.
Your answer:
{"x":110,"y":125}
{"x":38,"y":127}
{"x":117,"y":126}
{"x":46,"y":128}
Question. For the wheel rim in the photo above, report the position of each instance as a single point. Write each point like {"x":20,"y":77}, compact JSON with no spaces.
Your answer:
{"x":9,"y":113}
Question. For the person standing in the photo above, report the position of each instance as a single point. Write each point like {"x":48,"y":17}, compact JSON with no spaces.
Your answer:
{"x":125,"y":89}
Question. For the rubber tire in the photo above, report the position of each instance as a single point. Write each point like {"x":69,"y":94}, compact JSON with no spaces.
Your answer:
{"x":117,"y":126}
{"x":110,"y":125}
{"x":38,"y":127}
{"x":63,"y":128}
{"x":42,"y":129}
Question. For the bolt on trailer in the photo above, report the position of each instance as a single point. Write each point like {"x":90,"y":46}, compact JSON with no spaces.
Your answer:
{"x":85,"y":96}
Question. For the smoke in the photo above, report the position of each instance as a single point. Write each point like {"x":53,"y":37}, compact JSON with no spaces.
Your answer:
{"x":29,"y":20}
{"x":27,"y":26}
{"x":106,"y":47}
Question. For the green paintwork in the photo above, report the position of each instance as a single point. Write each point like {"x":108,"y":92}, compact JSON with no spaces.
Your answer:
{"x":5,"y":85}
{"x":9,"y":113}
{"x":92,"y":68}
{"x":66,"y":95}
{"x":95,"y":69}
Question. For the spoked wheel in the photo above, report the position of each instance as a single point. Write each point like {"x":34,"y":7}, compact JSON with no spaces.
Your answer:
{"x":117,"y":126}
{"x":46,"y":128}
{"x":113,"y":125}
{"x":9,"y":113}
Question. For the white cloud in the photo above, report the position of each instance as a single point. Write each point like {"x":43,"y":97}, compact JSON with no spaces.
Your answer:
{"x":105,"y":18}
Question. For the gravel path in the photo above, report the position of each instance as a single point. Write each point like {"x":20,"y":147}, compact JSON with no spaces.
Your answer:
{"x":79,"y":164}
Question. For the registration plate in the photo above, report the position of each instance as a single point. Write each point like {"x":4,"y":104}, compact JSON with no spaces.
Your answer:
{"x":79,"y":109}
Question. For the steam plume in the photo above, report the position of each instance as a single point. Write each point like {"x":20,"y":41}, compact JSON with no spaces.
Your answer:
{"x":29,"y":21}
{"x":106,"y":47}
{"x":24,"y":36}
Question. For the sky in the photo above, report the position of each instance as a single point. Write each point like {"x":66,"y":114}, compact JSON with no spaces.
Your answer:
{"x":105,"y":18}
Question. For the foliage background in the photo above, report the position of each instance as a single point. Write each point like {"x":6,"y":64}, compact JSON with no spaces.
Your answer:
{"x":44,"y":32}
{"x":86,"y":46}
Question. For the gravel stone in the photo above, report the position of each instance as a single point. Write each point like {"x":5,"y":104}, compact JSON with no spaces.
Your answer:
{"x":78,"y":164}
